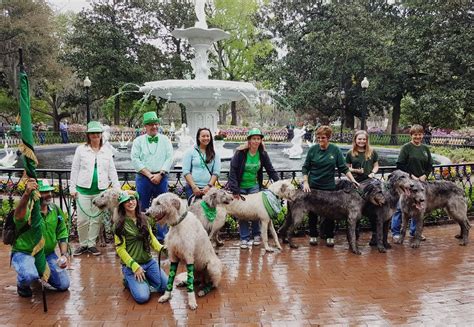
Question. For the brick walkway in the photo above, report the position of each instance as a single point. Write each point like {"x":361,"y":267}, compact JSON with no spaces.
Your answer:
{"x":433,"y":285}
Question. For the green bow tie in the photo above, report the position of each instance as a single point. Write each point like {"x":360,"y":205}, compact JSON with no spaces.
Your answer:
{"x":152,"y":139}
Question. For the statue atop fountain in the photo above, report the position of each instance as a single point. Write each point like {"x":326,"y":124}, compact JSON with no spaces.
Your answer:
{"x":200,"y":14}
{"x":296,"y":150}
{"x":123,"y":145}
{"x":105,"y":139}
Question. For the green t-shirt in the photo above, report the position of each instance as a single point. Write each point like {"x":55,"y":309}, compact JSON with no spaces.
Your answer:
{"x":94,"y":189}
{"x":53,"y":227}
{"x":252,"y":165}
{"x":320,"y":166}
{"x":134,"y":243}
{"x":360,"y":162}
{"x":415,"y":159}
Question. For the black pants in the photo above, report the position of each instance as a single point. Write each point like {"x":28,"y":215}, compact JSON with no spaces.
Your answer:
{"x":327,"y":226}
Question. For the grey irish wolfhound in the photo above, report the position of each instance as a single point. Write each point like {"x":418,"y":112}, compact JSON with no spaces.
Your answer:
{"x":336,"y":205}
{"x":424,"y":197}
{"x":380,"y":215}
{"x":188,"y":242}
{"x":215,"y":199}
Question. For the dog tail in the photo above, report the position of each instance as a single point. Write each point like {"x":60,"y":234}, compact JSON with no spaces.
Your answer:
{"x":214,"y":268}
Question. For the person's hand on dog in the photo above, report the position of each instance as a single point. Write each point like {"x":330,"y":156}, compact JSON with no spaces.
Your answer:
{"x":205,"y":189}
{"x":74,"y":195}
{"x":422,"y":178}
{"x":140,"y":275}
{"x":306,"y":187}
{"x":236,"y":196}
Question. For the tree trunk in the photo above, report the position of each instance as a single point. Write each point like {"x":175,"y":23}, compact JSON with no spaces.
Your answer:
{"x":183,"y":114}
{"x":396,"y":102}
{"x":349,"y":120}
{"x":117,"y":107}
{"x":233,"y":109}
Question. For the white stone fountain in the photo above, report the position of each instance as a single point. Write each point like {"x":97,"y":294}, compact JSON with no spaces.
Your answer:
{"x":9,"y":160}
{"x":201,"y":96}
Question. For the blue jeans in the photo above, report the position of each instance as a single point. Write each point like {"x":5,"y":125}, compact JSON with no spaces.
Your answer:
{"x":24,"y":265}
{"x":397,"y":222}
{"x":64,"y":137}
{"x":148,"y":191}
{"x":244,"y":229}
{"x":155,"y":277}
{"x":42,"y":137}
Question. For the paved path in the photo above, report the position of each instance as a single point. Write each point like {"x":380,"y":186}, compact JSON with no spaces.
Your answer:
{"x":433,"y":285}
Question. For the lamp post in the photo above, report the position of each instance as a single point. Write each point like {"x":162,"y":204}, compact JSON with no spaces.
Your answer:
{"x":365,"y":85}
{"x":343,"y":107}
{"x":87,"y":85}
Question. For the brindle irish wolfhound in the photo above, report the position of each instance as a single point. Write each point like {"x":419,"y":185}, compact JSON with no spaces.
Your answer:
{"x":380,"y":215}
{"x":425,"y":197}
{"x":347,"y":203}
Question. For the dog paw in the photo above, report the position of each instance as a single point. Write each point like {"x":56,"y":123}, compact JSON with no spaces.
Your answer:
{"x":201,"y":293}
{"x":458,"y":236}
{"x":387,"y":245}
{"x":381,"y":249}
{"x":463,"y":243}
{"x":165,"y":297}
{"x":269,"y":250}
{"x":356,"y":251}
{"x":293,"y":246}
{"x":192,"y":306}
{"x":415,"y":244}
{"x":102,"y":244}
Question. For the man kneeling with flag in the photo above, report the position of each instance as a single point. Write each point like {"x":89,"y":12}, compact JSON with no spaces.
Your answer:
{"x":54,"y":231}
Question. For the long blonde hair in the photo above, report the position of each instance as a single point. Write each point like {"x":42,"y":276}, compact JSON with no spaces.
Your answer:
{"x":368,"y":148}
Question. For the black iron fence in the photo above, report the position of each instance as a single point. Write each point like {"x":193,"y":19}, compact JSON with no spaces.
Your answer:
{"x":12,"y":187}
{"x":241,"y":135}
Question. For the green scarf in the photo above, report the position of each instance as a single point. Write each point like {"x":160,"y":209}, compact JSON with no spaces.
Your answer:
{"x":210,"y":213}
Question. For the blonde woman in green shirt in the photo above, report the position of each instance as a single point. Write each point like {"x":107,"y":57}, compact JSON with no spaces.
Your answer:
{"x":134,"y":240}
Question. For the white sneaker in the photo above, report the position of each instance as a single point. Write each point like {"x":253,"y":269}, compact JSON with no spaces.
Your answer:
{"x":396,"y":238}
{"x":244,"y":244}
{"x":313,"y":241}
{"x":257,"y":240}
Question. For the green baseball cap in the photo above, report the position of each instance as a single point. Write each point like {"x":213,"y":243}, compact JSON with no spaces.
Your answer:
{"x":94,"y":127}
{"x":127,"y":195}
{"x":254,"y":131}
{"x":150,"y":117}
{"x":43,"y":186}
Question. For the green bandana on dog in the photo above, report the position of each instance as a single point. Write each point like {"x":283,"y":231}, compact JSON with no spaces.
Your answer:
{"x":210,"y":213}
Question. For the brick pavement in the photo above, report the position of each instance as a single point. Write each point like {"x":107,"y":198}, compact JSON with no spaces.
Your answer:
{"x":433,"y":285}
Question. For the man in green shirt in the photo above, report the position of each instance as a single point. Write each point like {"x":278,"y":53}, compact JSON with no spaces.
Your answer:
{"x":54,"y":231}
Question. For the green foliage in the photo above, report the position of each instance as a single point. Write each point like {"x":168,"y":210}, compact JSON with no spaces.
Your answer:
{"x":457,"y":155}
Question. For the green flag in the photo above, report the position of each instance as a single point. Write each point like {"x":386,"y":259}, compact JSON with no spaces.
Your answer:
{"x":30,"y":162}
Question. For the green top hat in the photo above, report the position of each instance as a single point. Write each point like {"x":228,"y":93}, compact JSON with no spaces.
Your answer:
{"x":127,"y":195}
{"x":150,"y":117}
{"x":43,"y":186}
{"x":254,"y":131}
{"x":94,"y":127}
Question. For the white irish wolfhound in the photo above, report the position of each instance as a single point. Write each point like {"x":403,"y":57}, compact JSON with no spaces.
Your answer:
{"x":251,"y":207}
{"x":188,"y":242}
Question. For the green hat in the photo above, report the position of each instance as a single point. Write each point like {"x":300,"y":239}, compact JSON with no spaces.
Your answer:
{"x":94,"y":127}
{"x":150,"y":117}
{"x":127,"y":195}
{"x":43,"y":186}
{"x":254,"y":131}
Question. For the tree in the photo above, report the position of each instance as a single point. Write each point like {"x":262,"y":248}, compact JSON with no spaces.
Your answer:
{"x":235,"y":58}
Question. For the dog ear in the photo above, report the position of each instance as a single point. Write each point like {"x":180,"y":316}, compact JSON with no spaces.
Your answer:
{"x":176,"y":203}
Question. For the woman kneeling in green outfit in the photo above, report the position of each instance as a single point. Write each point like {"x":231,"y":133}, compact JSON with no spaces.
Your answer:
{"x":134,"y":239}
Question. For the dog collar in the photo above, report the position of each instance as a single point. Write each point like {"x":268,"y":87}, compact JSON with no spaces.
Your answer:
{"x":180,"y":219}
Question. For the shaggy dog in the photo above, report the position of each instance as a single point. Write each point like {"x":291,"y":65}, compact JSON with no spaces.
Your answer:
{"x":336,"y":205}
{"x":424,"y":197}
{"x":215,"y":199}
{"x":106,"y":200}
{"x":380,"y":216}
{"x":251,"y":207}
{"x":186,"y":241}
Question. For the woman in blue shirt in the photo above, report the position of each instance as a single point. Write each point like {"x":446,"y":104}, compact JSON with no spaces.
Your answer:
{"x":201,"y":165}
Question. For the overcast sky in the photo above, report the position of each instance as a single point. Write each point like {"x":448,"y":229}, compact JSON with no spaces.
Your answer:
{"x":66,"y":5}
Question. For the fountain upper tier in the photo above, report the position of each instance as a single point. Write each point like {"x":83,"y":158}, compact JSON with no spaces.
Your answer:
{"x":192,"y":92}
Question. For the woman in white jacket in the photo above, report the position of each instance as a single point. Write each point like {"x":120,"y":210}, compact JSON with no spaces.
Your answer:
{"x":93,"y":170}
